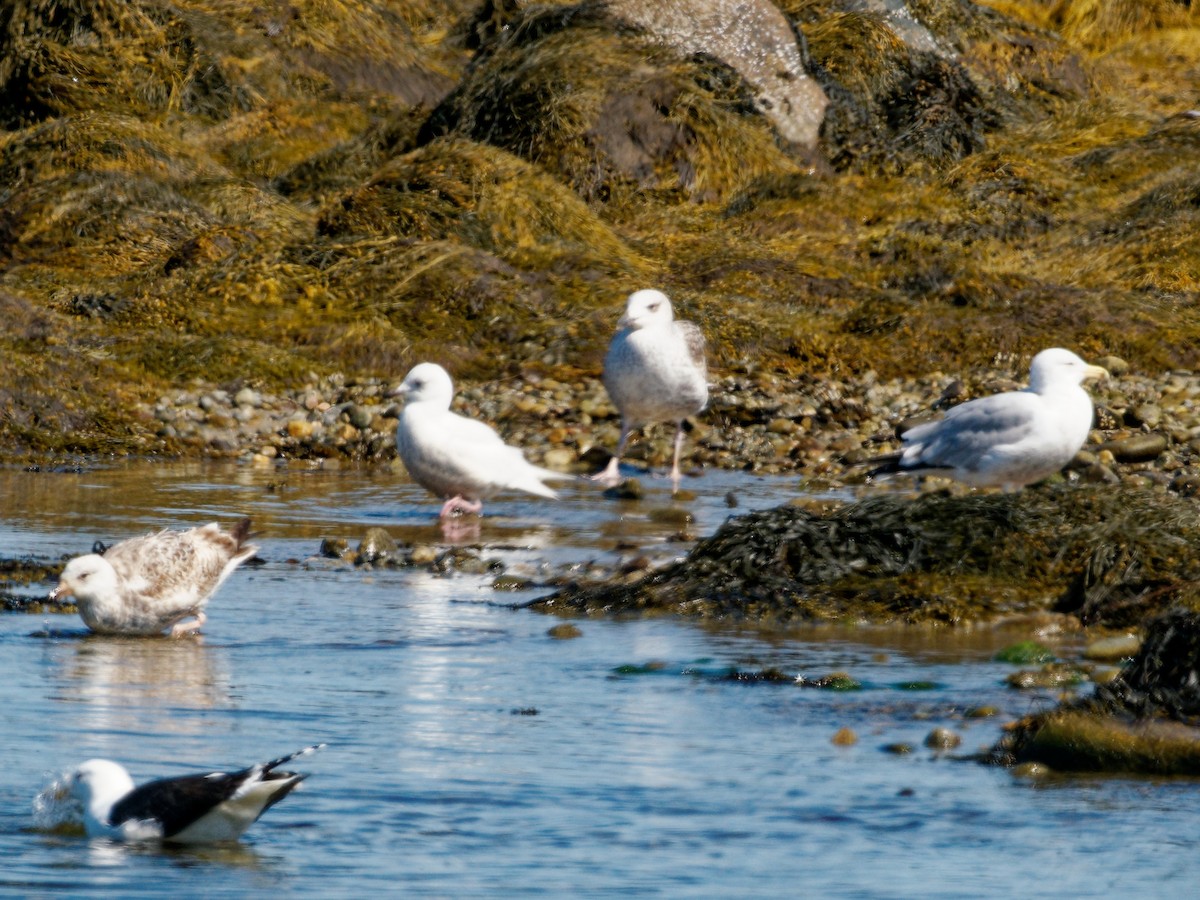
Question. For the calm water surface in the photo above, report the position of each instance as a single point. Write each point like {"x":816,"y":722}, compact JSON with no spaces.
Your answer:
{"x":471,"y":755}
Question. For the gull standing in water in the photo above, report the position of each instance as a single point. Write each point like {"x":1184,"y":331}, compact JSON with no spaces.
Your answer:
{"x":451,"y":456}
{"x":186,"y":809}
{"x":1007,"y":440}
{"x":147,"y":584}
{"x":654,"y":372}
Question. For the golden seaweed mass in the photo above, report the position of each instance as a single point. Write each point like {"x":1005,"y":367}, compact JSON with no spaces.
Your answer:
{"x":205,"y":193}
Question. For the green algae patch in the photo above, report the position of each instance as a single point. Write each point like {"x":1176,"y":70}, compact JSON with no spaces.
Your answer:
{"x":1104,"y":555}
{"x":1023,"y":653}
{"x":1146,"y":720}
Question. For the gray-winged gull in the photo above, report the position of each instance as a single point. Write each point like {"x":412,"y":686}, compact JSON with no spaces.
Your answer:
{"x":186,"y":809}
{"x":147,"y":584}
{"x":1012,"y":439}
{"x":451,"y":456}
{"x":654,"y":372}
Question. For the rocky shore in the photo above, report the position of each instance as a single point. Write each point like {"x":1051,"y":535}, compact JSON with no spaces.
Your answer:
{"x":1147,"y":427}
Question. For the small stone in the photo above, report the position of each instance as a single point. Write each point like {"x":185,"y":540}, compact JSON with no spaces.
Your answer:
{"x":359,"y":416}
{"x":981,"y":712}
{"x":564,"y":632}
{"x":424,"y":554}
{"x":247,"y":397}
{"x":844,"y":737}
{"x":1115,"y":647}
{"x":899,"y":749}
{"x":942,"y":739}
{"x":376,"y":545}
{"x":299,"y":429}
{"x":628,"y":489}
{"x":1136,"y":448}
{"x":335,"y":548}
{"x":1148,"y":414}
{"x":669,"y":515}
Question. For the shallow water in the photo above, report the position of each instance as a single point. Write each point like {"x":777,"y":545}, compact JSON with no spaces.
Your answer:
{"x":471,"y":755}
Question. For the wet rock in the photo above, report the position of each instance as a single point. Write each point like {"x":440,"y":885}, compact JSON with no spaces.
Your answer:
{"x":336,"y":548}
{"x":1136,"y":448}
{"x":628,"y":489}
{"x":898,"y":749}
{"x":844,"y":737}
{"x":424,"y":554}
{"x":942,"y":739}
{"x":564,"y":632}
{"x":376,"y":546}
{"x":1147,"y":414}
{"x":1111,"y":648}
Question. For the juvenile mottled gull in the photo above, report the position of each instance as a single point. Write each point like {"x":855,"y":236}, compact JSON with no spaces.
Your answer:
{"x":1012,"y":439}
{"x":654,"y":372}
{"x":147,"y":584}
{"x":454,"y":457}
{"x":186,"y":809}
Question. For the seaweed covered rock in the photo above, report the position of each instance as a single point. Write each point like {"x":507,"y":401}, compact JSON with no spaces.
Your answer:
{"x":609,"y":110}
{"x":1146,"y":720}
{"x":924,"y":83}
{"x":1119,"y":555}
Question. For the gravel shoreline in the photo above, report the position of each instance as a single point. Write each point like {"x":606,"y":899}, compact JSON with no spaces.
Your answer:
{"x":1147,"y":427}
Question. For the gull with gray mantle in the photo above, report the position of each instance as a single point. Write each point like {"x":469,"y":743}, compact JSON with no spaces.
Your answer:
{"x":654,"y":372}
{"x":456,"y":458}
{"x":146,"y":584}
{"x":1011,"y":439}
{"x":185,"y":809}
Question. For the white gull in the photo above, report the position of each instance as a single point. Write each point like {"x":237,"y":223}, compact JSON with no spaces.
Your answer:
{"x":1011,"y":439}
{"x":146,"y":584}
{"x":456,"y":458}
{"x":654,"y":372}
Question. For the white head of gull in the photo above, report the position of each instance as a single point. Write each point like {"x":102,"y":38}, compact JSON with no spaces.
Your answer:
{"x":1011,"y":439}
{"x":654,"y":371}
{"x":459,"y":459}
{"x":146,"y":584}
{"x":186,"y":809}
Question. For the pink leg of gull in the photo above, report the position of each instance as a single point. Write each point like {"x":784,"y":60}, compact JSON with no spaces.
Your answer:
{"x":459,"y":505}
{"x":676,"y":475}
{"x":179,"y":629}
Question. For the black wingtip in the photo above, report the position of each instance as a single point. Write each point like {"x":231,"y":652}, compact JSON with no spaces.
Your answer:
{"x":241,"y":531}
{"x":275,"y":763}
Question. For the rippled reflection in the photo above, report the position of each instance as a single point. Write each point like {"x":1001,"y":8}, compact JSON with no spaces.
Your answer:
{"x":130,"y":684}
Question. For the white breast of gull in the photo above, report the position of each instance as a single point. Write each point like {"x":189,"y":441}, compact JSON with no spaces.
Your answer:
{"x":461,"y":460}
{"x":654,"y":371}
{"x":147,"y":584}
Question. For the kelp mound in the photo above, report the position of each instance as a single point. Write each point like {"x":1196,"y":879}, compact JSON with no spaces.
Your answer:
{"x":1106,"y":555}
{"x":151,"y":59}
{"x":1146,"y":720}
